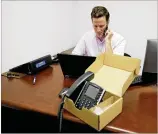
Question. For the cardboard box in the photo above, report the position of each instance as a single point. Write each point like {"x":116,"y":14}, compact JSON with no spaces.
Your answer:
{"x":114,"y":73}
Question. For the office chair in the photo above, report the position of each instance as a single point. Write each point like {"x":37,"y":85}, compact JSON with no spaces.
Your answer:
{"x":125,"y":54}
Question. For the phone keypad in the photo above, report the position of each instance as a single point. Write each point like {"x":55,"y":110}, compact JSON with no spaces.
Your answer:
{"x":85,"y":102}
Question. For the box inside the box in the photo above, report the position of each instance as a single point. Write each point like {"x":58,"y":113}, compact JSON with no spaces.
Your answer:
{"x":108,"y":100}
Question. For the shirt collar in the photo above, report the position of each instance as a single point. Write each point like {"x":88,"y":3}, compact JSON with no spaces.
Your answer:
{"x":100,"y":41}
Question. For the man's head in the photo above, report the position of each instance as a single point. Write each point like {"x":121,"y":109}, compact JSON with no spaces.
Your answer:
{"x":100,"y":19}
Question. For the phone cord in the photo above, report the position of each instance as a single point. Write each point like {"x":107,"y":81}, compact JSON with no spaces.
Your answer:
{"x":60,"y":113}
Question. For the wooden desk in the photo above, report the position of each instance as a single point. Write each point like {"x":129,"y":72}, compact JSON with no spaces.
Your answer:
{"x":139,"y":109}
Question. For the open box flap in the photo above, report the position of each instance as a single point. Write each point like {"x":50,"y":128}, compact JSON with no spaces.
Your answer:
{"x":111,"y":79}
{"x":122,"y":62}
{"x":112,"y":72}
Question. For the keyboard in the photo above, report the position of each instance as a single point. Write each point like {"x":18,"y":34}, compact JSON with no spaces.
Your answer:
{"x":137,"y":80}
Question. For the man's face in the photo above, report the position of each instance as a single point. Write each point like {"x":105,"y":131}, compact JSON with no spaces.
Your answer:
{"x":99,"y":25}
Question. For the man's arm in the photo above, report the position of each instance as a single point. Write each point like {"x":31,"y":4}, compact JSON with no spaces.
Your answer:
{"x":118,"y":46}
{"x":80,"y":47}
{"x":108,"y":41}
{"x":108,"y":47}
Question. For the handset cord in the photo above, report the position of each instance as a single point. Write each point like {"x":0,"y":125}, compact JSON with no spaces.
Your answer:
{"x":60,"y":113}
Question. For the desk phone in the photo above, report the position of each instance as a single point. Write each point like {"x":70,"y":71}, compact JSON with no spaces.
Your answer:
{"x":90,"y":95}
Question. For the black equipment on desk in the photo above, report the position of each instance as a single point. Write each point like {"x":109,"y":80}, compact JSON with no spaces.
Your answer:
{"x":90,"y":95}
{"x":74,"y":66}
{"x":149,"y":72}
{"x":83,"y":93}
{"x":34,"y":66}
{"x":55,"y":59}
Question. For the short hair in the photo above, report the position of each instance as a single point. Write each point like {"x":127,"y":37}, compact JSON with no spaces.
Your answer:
{"x":100,"y":11}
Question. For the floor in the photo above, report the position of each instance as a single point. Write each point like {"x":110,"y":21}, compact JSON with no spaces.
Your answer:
{"x":22,"y":121}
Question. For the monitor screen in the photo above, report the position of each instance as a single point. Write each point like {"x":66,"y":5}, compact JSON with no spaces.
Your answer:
{"x":149,"y":74}
{"x":150,"y":61}
{"x":74,"y":65}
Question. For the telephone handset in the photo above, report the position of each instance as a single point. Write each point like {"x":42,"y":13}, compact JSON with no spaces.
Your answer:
{"x":86,"y":76}
{"x":83,"y":93}
{"x":105,"y":30}
{"x":87,"y":94}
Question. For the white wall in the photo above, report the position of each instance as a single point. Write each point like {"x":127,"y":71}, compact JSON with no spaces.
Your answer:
{"x":31,"y":29}
{"x":135,"y":20}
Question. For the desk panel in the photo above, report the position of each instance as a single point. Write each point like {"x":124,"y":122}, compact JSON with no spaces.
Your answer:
{"x":139,"y":107}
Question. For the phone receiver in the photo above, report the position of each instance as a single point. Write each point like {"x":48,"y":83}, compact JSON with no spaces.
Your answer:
{"x":86,"y":76}
{"x":105,"y":30}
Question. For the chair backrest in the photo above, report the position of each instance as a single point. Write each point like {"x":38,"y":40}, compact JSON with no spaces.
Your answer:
{"x":125,"y":54}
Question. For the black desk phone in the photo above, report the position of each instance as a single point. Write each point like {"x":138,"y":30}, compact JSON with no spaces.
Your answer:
{"x":85,"y":93}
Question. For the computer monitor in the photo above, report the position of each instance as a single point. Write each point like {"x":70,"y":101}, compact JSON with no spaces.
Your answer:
{"x":149,"y":73}
{"x":74,"y":65}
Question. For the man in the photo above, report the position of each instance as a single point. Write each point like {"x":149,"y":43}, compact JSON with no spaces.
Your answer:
{"x":101,"y":39}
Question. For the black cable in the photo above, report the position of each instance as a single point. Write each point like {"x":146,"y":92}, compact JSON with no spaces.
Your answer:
{"x":60,"y":113}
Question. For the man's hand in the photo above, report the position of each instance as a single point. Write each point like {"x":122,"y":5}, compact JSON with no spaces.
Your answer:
{"x":108,"y":37}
